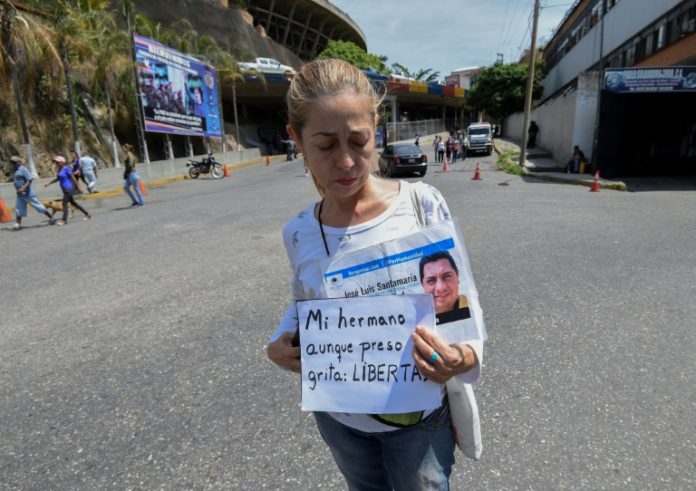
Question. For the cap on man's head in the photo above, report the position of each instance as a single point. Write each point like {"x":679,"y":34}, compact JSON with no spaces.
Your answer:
{"x":59,"y":158}
{"x":15,"y":158}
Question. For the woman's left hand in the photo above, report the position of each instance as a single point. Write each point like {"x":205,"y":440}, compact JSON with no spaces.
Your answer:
{"x":451,"y":359}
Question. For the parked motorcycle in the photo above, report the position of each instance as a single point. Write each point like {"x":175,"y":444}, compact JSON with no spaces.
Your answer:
{"x":206,"y":166}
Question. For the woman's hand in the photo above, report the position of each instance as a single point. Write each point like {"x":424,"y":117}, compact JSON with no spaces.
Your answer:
{"x":283,"y":353}
{"x":451,"y":360}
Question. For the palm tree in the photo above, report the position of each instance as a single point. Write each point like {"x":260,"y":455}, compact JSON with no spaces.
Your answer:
{"x":426,"y":75}
{"x":25,"y":43}
{"x":91,"y":29}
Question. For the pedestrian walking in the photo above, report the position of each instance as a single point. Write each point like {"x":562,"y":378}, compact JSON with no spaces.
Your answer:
{"x":456,"y":149}
{"x":332,"y":104}
{"x":131,"y":177}
{"x":77,"y":169}
{"x":440,"y":150}
{"x":22,"y":179}
{"x":449,"y":145}
{"x":89,"y":171}
{"x":69,"y":186}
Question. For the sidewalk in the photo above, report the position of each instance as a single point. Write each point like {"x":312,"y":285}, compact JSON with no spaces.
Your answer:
{"x":541,"y":165}
{"x":158,"y":173}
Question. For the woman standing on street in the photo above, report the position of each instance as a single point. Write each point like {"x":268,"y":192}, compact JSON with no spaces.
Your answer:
{"x":69,"y":185}
{"x":131,"y":177}
{"x":333,"y":112}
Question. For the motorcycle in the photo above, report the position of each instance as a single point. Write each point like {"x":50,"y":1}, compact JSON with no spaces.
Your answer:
{"x":206,"y":166}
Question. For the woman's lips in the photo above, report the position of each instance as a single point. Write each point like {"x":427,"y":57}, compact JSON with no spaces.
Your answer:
{"x":347,"y":181}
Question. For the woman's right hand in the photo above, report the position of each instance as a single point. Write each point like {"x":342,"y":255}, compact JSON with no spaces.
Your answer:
{"x":283,"y":353}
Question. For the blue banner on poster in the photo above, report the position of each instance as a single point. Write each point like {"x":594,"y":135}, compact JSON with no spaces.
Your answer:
{"x":661,"y":79}
{"x":179,"y":94}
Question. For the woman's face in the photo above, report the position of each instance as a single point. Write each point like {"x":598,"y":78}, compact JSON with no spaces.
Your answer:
{"x":338,"y":143}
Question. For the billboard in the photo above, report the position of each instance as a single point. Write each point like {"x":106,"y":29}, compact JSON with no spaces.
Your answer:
{"x":668,"y":79}
{"x":178,"y":93}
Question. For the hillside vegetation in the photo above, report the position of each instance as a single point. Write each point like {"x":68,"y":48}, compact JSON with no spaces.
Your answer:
{"x":66,"y":73}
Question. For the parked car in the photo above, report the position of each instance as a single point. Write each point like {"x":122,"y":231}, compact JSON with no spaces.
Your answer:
{"x":400,"y":158}
{"x":479,"y":138}
{"x":266,"y":65}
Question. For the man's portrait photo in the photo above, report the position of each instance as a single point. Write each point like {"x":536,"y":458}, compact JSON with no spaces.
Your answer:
{"x":439,"y":276}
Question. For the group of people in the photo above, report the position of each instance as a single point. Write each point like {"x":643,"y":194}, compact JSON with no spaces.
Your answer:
{"x":83,"y":168}
{"x":453,"y":148}
{"x":333,"y":115}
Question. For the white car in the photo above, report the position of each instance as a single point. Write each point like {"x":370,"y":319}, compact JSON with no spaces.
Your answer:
{"x":266,"y":65}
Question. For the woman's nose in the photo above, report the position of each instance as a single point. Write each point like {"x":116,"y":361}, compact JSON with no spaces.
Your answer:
{"x":345,"y":159}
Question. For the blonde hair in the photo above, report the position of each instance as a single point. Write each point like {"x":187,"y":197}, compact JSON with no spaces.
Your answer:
{"x":327,"y":77}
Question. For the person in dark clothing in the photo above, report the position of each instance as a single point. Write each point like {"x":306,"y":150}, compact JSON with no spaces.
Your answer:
{"x":532,"y":134}
{"x":574,"y":163}
{"x":69,"y":185}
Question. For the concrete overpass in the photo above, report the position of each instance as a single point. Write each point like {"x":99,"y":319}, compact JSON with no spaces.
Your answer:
{"x":304,"y":26}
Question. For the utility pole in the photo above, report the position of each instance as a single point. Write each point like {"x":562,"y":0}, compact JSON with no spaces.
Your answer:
{"x":530,"y":84}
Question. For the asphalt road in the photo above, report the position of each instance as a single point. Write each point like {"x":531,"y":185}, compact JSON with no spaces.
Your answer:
{"x":131,"y":345}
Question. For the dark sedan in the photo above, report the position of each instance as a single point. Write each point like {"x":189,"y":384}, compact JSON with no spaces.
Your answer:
{"x":402,"y":158}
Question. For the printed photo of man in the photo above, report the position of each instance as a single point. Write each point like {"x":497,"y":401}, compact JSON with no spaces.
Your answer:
{"x":439,"y":276}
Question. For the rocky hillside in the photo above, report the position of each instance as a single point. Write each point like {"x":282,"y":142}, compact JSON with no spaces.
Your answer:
{"x":230,"y":27}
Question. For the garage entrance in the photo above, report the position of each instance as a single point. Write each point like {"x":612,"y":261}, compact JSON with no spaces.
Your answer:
{"x":647,"y":132}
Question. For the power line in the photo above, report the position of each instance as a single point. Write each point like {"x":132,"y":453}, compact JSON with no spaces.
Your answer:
{"x":502,"y":25}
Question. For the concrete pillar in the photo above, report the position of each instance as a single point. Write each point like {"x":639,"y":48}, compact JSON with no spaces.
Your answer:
{"x":395,"y":117}
{"x":586,"y":111}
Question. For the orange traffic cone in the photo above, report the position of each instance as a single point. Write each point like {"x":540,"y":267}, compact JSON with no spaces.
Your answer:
{"x":268,"y":160}
{"x":227,"y":171}
{"x":5,"y":215}
{"x":477,"y":173}
{"x":445,"y":165}
{"x":143,"y":190}
{"x":595,"y":184}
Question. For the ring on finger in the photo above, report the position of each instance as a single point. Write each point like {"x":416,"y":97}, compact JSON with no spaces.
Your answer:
{"x":434,"y":357}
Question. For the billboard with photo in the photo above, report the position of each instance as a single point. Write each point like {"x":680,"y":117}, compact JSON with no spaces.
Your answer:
{"x":178,"y":93}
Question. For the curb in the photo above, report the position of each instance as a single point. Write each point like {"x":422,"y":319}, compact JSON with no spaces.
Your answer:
{"x":157,"y":183}
{"x":110,"y":193}
{"x":615,"y":186}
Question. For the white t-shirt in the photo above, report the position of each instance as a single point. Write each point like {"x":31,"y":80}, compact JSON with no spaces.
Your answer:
{"x":305,"y":248}
{"x":88,"y":164}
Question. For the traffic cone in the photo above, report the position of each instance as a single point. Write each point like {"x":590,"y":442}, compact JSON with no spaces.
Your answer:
{"x":5,"y":215}
{"x":143,"y":190}
{"x":268,"y":160}
{"x":477,"y":173}
{"x":227,"y":171}
{"x":595,"y":184}
{"x":445,"y":165}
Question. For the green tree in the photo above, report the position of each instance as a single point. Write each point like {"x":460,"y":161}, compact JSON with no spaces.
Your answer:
{"x":499,"y":90}
{"x":27,"y":46}
{"x":91,"y":31}
{"x":422,"y":75}
{"x":352,"y":53}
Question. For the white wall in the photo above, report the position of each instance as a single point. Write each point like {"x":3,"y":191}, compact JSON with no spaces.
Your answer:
{"x":586,"y":111}
{"x":556,"y":120}
{"x":622,"y":22}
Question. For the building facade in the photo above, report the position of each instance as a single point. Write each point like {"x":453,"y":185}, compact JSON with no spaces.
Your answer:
{"x":577,"y":109}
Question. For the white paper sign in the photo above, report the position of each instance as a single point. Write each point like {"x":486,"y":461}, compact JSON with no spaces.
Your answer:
{"x":357,"y":355}
{"x":416,"y":263}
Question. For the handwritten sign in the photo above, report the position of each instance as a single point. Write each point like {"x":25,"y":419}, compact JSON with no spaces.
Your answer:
{"x":357,"y":354}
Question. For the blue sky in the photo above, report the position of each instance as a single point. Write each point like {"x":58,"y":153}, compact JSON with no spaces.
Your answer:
{"x":449,"y":34}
